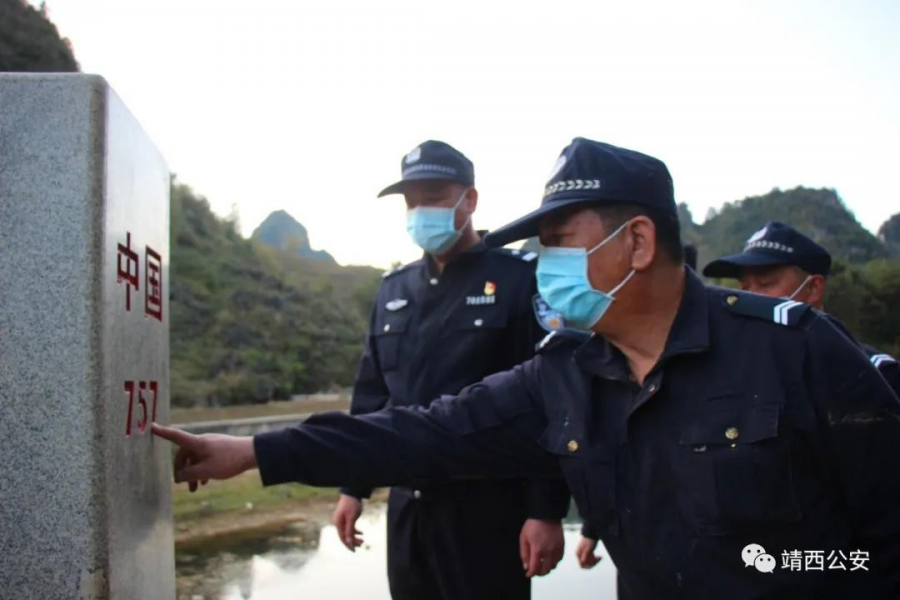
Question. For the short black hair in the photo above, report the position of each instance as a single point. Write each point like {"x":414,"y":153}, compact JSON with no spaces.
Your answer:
{"x":668,"y":229}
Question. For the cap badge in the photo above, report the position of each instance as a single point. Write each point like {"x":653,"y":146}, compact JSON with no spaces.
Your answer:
{"x":415,"y":155}
{"x":489,"y":288}
{"x":560,"y":163}
{"x":758,"y":235}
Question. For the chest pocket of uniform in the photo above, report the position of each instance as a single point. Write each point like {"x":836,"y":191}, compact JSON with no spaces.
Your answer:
{"x":739,"y":471}
{"x":389,"y":335}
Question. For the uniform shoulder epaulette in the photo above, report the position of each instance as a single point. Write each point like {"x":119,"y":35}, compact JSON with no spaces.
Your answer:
{"x":776,"y":310}
{"x":880,"y":360}
{"x":560,"y":337}
{"x":400,"y":269}
{"x":523,"y":255}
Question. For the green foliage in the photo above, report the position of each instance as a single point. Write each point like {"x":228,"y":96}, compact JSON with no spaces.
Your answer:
{"x":251,"y":324}
{"x":865,"y":300}
{"x":889,"y":233}
{"x":29,"y":42}
{"x":881,"y":319}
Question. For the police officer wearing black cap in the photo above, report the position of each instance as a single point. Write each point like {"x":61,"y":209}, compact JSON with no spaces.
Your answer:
{"x":458,"y":314}
{"x":705,"y":432}
{"x":781,"y":262}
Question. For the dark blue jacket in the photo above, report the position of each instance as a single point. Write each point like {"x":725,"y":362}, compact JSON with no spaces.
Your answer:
{"x":761,"y":423}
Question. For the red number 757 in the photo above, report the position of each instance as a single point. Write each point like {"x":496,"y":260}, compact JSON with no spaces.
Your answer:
{"x":142,"y":386}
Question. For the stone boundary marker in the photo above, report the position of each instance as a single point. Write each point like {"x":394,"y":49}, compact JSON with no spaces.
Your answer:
{"x":85,"y":490}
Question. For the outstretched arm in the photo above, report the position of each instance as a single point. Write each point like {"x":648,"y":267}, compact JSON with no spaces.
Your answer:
{"x":489,"y":430}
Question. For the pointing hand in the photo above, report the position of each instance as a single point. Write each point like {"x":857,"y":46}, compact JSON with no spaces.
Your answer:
{"x":210,"y":456}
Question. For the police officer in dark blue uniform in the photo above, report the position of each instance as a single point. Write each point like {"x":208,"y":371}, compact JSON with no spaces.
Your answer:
{"x":708,"y":433}
{"x":447,"y":320}
{"x":781,"y":262}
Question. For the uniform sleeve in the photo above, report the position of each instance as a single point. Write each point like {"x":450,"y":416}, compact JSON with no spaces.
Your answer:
{"x":547,"y":498}
{"x":490,"y":430}
{"x":860,"y":415}
{"x":890,"y":370}
{"x":370,"y":392}
{"x":590,"y":529}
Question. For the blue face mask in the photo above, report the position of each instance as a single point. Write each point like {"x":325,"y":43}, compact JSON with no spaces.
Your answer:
{"x":562,"y":278}
{"x":432,"y":228}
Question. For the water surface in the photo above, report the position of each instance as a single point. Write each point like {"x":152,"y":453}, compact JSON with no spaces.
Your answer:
{"x":307,"y":561}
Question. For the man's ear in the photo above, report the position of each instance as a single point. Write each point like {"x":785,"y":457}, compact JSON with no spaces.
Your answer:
{"x":644,"y":248}
{"x":472,"y":200}
{"x":816,"y":287}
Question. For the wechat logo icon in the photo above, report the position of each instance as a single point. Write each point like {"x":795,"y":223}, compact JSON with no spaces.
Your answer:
{"x":755,"y":555}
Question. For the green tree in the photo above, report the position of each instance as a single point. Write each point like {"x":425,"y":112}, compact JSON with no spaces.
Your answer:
{"x":29,"y":42}
{"x":250,"y":323}
{"x":889,"y":233}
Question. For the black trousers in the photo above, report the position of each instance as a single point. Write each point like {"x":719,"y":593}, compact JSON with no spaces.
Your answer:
{"x":457,"y":542}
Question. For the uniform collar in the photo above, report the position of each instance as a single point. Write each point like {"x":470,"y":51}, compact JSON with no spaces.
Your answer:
{"x":471,"y":253}
{"x":690,"y":330}
{"x":689,"y":335}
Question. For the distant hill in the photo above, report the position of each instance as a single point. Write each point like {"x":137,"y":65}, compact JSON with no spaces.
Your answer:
{"x":280,"y":230}
{"x":29,"y":42}
{"x":819,"y":213}
{"x":889,"y":233}
{"x":249,"y":324}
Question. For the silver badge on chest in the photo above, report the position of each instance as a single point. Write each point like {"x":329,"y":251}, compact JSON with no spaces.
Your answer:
{"x":396,"y":304}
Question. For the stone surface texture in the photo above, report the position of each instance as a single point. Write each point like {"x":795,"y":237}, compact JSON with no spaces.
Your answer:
{"x":85,"y":509}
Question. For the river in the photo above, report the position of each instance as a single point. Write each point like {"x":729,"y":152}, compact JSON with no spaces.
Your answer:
{"x":307,"y":561}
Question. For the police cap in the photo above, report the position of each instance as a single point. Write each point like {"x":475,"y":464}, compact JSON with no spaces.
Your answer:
{"x":433,"y":160}
{"x":773,"y":245}
{"x":594,"y":173}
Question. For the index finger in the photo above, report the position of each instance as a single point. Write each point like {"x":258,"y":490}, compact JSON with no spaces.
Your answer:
{"x":178,"y":437}
{"x":534,"y":563}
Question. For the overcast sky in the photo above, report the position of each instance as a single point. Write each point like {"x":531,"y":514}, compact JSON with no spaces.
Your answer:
{"x":309,"y":106}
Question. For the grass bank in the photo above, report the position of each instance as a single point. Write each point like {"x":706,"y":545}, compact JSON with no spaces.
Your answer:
{"x":228,"y":507}
{"x":241,"y":504}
